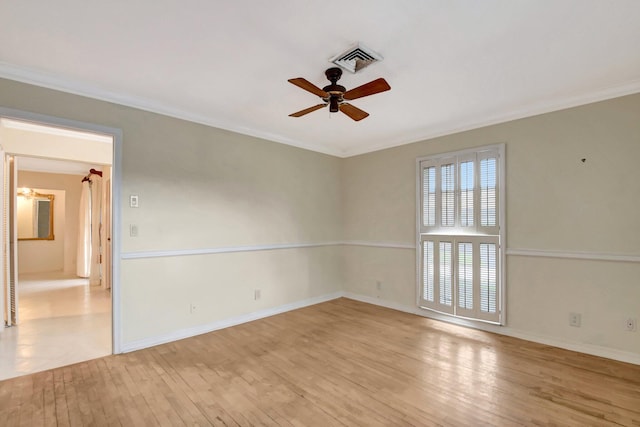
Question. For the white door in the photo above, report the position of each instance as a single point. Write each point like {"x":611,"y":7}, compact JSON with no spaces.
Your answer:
{"x":106,"y":247}
{"x":3,"y":288}
{"x":9,"y":229}
{"x":12,"y":196}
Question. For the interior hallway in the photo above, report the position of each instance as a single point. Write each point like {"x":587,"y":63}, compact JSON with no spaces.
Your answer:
{"x":62,"y":320}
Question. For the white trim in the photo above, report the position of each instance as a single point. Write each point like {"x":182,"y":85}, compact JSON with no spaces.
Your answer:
{"x":226,"y":323}
{"x":594,"y":350}
{"x":591,"y":256}
{"x":547,"y":106}
{"x":116,"y":183}
{"x":371,"y":244}
{"x":380,"y":302}
{"x":502,"y":205}
{"x":222,"y":250}
{"x":269,"y":247}
{"x":116,"y":241}
{"x":25,"y":75}
{"x":418,"y":222}
{"x":392,"y":245}
{"x":50,"y":81}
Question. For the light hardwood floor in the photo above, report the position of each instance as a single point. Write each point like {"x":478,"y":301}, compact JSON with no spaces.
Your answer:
{"x":340,"y":363}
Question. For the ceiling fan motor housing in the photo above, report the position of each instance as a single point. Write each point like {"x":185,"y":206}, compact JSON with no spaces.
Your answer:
{"x":333,"y":74}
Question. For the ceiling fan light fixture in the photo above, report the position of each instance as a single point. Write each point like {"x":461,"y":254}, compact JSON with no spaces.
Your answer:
{"x":334,"y":104}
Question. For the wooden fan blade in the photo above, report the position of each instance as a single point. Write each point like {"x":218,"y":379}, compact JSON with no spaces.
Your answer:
{"x":309,"y":87}
{"x":376,"y":86}
{"x":307,"y":110}
{"x":353,"y":112}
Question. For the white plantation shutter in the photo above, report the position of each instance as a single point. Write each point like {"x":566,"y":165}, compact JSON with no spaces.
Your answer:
{"x":446,"y":273}
{"x":447,"y":195}
{"x":428,"y":272}
{"x":467,"y":184}
{"x":488,"y":277}
{"x":437,"y":271}
{"x":465,"y":276}
{"x":489,"y":216}
{"x":459,"y":234}
{"x":429,"y":197}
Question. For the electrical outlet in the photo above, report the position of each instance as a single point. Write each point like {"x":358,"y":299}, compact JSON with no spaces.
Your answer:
{"x":378,"y":285}
{"x":257,"y":294}
{"x":133,"y":230}
{"x":631,"y":324}
{"x":192,"y":308}
{"x":575,"y":319}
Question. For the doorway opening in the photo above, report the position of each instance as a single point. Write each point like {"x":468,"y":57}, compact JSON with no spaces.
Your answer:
{"x":57,"y":309}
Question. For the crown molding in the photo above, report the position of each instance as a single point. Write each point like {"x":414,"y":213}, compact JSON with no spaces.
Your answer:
{"x":50,"y":81}
{"x":547,"y":106}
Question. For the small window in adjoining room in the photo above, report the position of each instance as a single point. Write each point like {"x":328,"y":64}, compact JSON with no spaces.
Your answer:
{"x":461,"y":232}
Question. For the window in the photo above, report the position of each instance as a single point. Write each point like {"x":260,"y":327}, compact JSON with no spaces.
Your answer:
{"x":460,"y":233}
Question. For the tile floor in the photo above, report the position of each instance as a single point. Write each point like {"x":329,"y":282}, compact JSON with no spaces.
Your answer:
{"x":62,"y":320}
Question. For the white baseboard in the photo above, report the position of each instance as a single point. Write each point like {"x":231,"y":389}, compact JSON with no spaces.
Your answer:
{"x":594,"y":350}
{"x":381,"y":302}
{"x":225,"y":323}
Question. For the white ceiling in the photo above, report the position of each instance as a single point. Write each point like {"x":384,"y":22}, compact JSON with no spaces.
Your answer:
{"x":452,"y":64}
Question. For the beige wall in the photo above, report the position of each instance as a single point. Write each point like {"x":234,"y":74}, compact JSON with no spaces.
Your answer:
{"x":66,"y":210}
{"x":204,"y":188}
{"x":201,"y":188}
{"x":555,"y":202}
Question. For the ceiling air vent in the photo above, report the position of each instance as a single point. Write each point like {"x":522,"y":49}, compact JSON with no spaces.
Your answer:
{"x":356,"y":58}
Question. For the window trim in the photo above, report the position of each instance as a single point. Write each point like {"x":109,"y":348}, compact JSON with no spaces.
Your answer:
{"x":500,"y":229}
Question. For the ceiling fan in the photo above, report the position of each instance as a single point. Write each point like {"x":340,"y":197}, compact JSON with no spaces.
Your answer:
{"x":335,"y":95}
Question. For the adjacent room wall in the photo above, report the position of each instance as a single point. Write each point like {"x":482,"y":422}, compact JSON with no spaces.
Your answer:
{"x":558,"y":206}
{"x":30,"y":257}
{"x":43,"y":256}
{"x":272,"y":211}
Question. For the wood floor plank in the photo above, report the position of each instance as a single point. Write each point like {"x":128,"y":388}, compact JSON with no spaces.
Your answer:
{"x":61,"y":409}
{"x":340,"y":363}
{"x":48,"y":400}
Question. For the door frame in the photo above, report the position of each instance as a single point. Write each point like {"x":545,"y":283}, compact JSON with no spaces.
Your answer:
{"x":116,"y":208}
